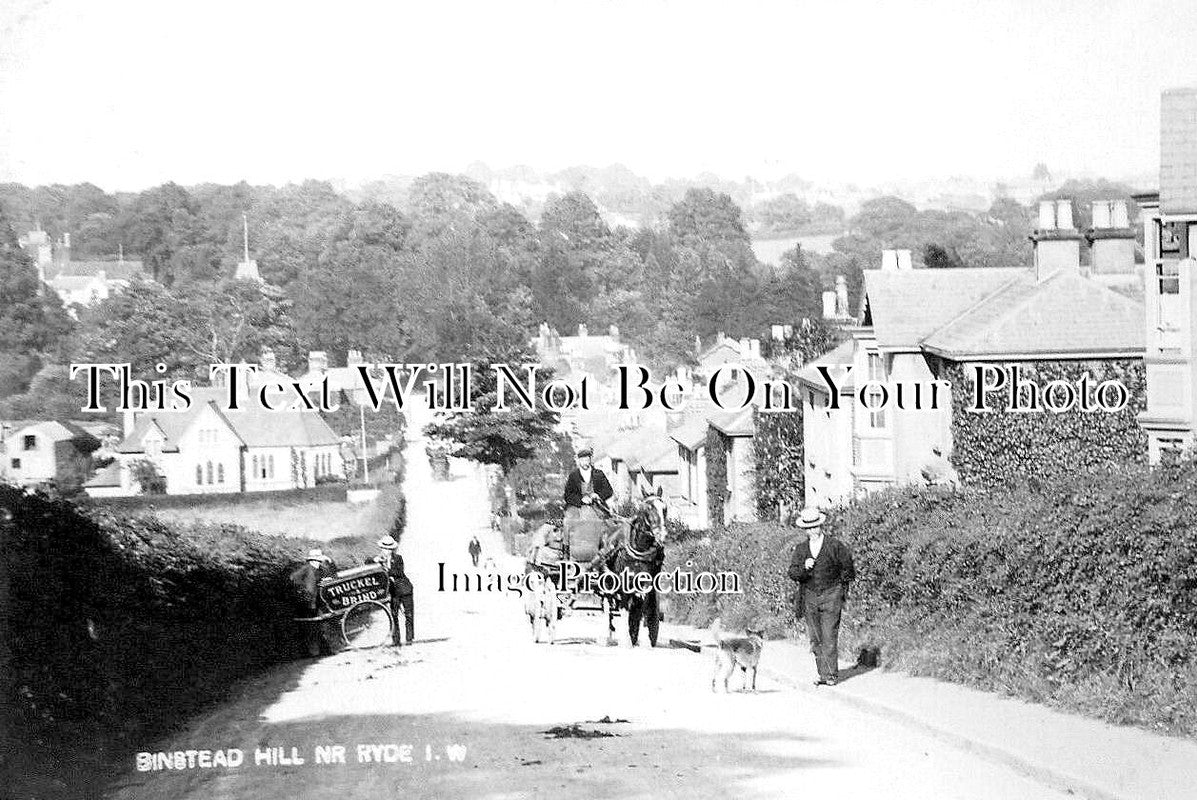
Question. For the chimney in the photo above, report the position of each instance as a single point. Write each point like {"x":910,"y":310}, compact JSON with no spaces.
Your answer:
{"x":754,"y":348}
{"x":581,"y":331}
{"x":719,"y":337}
{"x":745,"y":347}
{"x":778,"y":333}
{"x":904,"y":259}
{"x":613,"y":332}
{"x":889,"y":260}
{"x":317,"y":361}
{"x":841,"y":297}
{"x":353,"y":358}
{"x":1111,"y":239}
{"x":1057,"y":243}
{"x":829,"y":302}
{"x":267,"y":360}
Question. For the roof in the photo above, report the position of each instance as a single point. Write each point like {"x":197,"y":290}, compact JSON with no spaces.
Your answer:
{"x":1065,"y":314}
{"x":108,"y":476}
{"x":59,"y":432}
{"x":906,"y":306}
{"x":113,"y":270}
{"x":692,"y":433}
{"x":835,"y":360}
{"x":254,"y":425}
{"x":734,"y":423}
{"x":1001,"y":313}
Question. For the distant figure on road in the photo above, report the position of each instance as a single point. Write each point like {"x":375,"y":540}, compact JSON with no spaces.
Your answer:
{"x":475,"y":549}
{"x":823,"y":569}
{"x":402,"y":592}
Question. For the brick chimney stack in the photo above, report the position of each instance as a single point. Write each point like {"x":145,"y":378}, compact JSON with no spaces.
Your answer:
{"x":1056,"y":240}
{"x":1111,"y":239}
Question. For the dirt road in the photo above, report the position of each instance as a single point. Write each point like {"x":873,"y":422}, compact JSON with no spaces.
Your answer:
{"x":463,"y":713}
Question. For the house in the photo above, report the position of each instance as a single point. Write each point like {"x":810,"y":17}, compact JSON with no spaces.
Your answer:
{"x":1170,"y":251}
{"x":916,"y":323}
{"x":44,"y":451}
{"x":735,"y":355}
{"x":582,"y":355}
{"x":208,"y":449}
{"x":77,"y":283}
{"x":690,"y":437}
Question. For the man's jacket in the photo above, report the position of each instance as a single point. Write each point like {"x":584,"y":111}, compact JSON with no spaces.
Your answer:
{"x":400,"y":585}
{"x":574,"y":485}
{"x":832,"y":568}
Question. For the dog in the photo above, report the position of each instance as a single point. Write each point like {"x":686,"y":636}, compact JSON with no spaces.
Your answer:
{"x":541,"y":605}
{"x":736,"y":651}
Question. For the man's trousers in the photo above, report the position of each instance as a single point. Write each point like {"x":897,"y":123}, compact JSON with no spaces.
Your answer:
{"x":823,"y":629}
{"x":407,"y":604}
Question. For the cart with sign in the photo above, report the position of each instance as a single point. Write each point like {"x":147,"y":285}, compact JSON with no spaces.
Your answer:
{"x":353,"y":608}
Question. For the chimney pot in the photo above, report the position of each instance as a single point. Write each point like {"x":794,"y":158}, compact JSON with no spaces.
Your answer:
{"x":317,"y":361}
{"x":889,"y":260}
{"x":904,"y":259}
{"x":1064,"y":215}
{"x":581,"y":331}
{"x":353,"y":358}
{"x":1047,"y":215}
{"x":1102,"y":214}
{"x":829,"y":303}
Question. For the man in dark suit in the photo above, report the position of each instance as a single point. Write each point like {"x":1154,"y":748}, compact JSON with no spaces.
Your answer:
{"x":402,"y":592}
{"x":823,"y":569}
{"x":586,"y":482}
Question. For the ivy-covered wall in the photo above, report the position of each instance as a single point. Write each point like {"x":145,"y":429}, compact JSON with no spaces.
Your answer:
{"x":717,"y":447}
{"x":1002,"y":447}
{"x":778,"y":445}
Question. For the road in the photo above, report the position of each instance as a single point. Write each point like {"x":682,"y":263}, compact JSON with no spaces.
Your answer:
{"x":472,"y":701}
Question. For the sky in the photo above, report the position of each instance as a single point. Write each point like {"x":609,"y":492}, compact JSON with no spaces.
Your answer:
{"x":128,"y":94}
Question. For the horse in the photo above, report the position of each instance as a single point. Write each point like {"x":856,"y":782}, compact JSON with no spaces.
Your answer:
{"x":637,"y":547}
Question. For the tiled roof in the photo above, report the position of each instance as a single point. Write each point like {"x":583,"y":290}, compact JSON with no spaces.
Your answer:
{"x":906,"y":306}
{"x":1065,"y":314}
{"x":113,"y":270}
{"x":692,"y":433}
{"x":59,"y":432}
{"x":108,"y":476}
{"x":734,"y":423}
{"x":835,"y":359}
{"x":254,"y":425}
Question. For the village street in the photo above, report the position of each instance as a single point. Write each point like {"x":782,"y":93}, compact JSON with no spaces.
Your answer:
{"x":473,"y":698}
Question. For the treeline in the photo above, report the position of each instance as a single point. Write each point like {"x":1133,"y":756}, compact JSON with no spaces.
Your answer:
{"x":450,"y":273}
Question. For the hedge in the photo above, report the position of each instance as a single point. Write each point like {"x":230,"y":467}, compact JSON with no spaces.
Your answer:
{"x":990,"y":449}
{"x":118,"y":626}
{"x":1082,"y":595}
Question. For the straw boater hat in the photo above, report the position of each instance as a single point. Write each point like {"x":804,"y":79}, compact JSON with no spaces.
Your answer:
{"x":388,"y":543}
{"x":315,"y":554}
{"x":586,"y":451}
{"x":811,"y":518}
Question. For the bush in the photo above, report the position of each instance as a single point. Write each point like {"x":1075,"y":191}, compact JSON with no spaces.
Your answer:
{"x":1082,"y":595}
{"x":118,"y":626}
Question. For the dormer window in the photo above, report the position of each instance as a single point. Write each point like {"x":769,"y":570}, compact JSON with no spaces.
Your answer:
{"x":30,"y":442}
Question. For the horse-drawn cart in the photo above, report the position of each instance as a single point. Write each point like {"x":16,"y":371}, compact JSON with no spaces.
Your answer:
{"x":352,"y":610}
{"x":593,"y":542}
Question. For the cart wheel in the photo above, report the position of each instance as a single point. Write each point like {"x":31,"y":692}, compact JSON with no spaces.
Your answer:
{"x":367,"y":624}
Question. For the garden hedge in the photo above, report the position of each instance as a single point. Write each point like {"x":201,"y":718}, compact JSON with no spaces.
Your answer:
{"x":116,"y":627}
{"x":1082,"y":594}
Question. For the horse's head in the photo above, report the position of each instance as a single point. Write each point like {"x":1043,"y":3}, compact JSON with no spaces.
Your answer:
{"x":653,"y":513}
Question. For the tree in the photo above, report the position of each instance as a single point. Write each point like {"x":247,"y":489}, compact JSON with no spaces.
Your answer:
{"x":34,"y":328}
{"x":936,"y":257}
{"x":487,"y":436}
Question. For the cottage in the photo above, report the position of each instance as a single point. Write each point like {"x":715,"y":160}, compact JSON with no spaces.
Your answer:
{"x":207,"y":450}
{"x":46,"y":451}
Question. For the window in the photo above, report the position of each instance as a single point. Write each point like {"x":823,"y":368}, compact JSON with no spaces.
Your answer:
{"x":254,"y":468}
{"x":875,"y":394}
{"x":220,"y":473}
{"x":208,"y":472}
{"x":30,"y":442}
{"x":270,"y":464}
{"x":260,"y":470}
{"x":199,"y":474}
{"x":16,"y":463}
{"x":1167,"y":273}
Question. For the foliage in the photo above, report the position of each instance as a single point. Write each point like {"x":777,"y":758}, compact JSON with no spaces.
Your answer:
{"x":1082,"y":594}
{"x":148,"y":477}
{"x":33,"y":325}
{"x":778,"y":443}
{"x":1001,"y":447}
{"x":718,"y":447}
{"x":101,"y":635}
